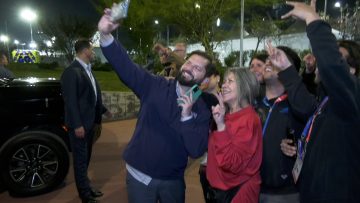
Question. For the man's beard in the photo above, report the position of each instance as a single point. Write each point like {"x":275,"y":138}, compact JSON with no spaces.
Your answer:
{"x":183,"y":81}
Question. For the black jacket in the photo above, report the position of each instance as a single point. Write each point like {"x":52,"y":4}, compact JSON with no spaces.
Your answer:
{"x":331,"y":168}
{"x":81,"y":107}
{"x":276,"y":167}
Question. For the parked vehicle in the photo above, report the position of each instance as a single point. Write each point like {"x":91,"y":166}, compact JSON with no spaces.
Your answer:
{"x":34,"y":147}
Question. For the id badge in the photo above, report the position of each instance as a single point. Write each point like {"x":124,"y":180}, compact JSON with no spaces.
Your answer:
{"x":299,"y":161}
{"x":297,"y":169}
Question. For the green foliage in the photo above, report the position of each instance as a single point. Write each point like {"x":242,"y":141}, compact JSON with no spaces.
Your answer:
{"x":232,"y":60}
{"x":49,"y":66}
{"x":108,"y":80}
{"x":98,"y":66}
{"x":194,"y":21}
{"x":66,"y":30}
{"x":102,"y":67}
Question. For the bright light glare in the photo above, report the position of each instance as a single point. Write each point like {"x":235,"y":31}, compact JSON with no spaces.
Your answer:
{"x":32,"y":45}
{"x":156,"y":22}
{"x":337,"y":5}
{"x":197,"y":5}
{"x":16,"y":42}
{"x":48,"y":43}
{"x":28,"y":15}
{"x":32,"y":80}
{"x":4,"y":38}
{"x":218,"y":22}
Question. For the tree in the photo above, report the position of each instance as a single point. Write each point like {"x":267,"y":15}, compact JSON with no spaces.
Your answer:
{"x":67,"y":30}
{"x":195,"y":20}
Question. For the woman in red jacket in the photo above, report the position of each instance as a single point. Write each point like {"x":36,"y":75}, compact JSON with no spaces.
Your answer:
{"x":235,"y":148}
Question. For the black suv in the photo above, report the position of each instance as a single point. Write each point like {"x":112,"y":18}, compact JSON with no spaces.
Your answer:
{"x":34,"y":147}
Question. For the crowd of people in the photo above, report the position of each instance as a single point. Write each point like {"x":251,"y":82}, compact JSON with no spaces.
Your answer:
{"x":268,"y":133}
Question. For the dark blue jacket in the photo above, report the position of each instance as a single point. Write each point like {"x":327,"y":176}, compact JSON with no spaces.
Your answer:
{"x":161,"y":142}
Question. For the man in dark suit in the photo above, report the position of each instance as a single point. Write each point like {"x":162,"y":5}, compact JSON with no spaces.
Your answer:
{"x":83,"y":111}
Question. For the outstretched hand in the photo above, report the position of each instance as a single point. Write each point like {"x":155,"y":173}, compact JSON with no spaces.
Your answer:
{"x":277,"y":57}
{"x":105,"y":25}
{"x":218,"y":113}
{"x":303,"y":11}
{"x":310,"y":63}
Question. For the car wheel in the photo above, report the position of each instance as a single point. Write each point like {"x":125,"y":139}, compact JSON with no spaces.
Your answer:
{"x":33,"y":162}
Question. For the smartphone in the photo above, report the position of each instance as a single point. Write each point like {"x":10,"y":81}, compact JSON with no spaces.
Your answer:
{"x":279,"y":10}
{"x":196,"y":92}
{"x":119,"y":11}
{"x":291,"y":135}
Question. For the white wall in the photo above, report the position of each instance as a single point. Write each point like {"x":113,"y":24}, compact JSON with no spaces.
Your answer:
{"x":297,"y":41}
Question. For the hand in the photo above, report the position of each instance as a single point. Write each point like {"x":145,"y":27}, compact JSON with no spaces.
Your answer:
{"x":80,"y":132}
{"x":302,"y":11}
{"x":287,"y":148}
{"x":310,"y":63}
{"x":105,"y":25}
{"x":277,"y":57}
{"x":218,"y":113}
{"x":159,"y":48}
{"x":186,"y":103}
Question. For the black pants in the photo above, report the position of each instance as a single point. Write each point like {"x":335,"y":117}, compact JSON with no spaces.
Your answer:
{"x":81,"y":152}
{"x":225,"y":196}
{"x":209,"y":195}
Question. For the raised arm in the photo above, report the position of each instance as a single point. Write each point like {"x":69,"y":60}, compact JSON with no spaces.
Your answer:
{"x":130,"y":73}
{"x":341,"y":87}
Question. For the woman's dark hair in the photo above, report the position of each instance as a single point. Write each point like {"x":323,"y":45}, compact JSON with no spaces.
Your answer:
{"x":260,"y":56}
{"x":293,"y":56}
{"x":354,"y":53}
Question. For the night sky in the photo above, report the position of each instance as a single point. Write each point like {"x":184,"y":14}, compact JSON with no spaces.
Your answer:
{"x":20,"y":30}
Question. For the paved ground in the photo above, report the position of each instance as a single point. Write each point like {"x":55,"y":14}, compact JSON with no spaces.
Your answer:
{"x":107,"y":170}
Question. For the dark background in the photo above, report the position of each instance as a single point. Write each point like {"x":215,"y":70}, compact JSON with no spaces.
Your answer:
{"x":16,"y":28}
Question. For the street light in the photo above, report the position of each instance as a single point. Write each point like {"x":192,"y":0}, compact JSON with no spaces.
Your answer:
{"x":242,"y":11}
{"x":29,"y":16}
{"x":16,"y":42}
{"x":337,"y":5}
{"x":48,"y":43}
{"x":218,"y":22}
{"x":4,"y":38}
{"x":32,"y":45}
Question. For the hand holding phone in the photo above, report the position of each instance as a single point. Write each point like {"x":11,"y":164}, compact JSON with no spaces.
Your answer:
{"x":119,"y":11}
{"x":291,"y":136}
{"x":195,"y":91}
{"x":279,"y":10}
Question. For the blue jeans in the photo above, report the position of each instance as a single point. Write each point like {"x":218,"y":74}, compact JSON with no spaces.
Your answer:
{"x":163,"y":191}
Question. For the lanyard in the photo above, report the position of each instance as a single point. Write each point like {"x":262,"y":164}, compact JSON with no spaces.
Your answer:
{"x":279,"y":99}
{"x":306,"y":133}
